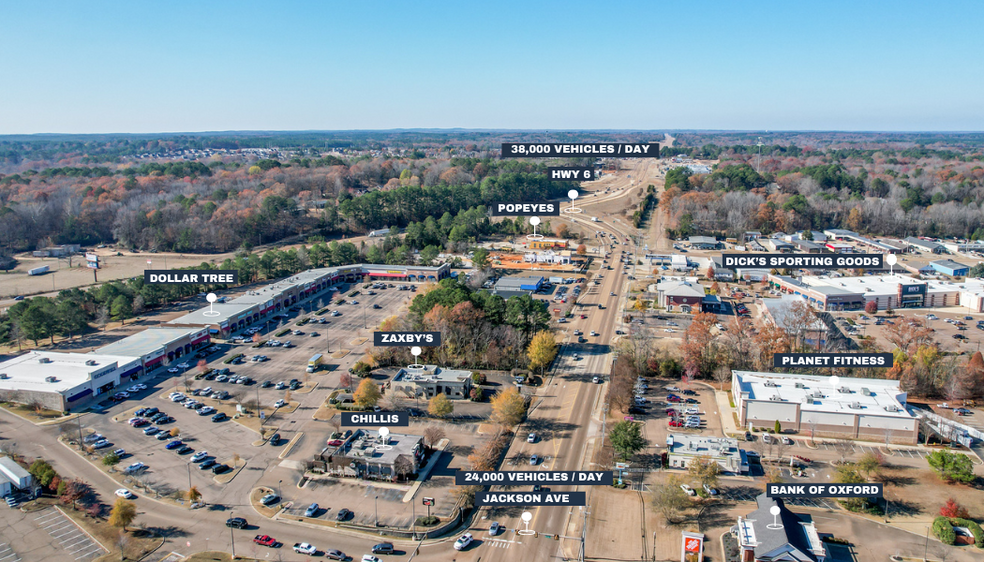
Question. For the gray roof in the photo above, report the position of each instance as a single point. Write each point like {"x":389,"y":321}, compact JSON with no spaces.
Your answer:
{"x":913,"y":241}
{"x":791,"y":540}
{"x":147,"y":341}
{"x":950,"y":264}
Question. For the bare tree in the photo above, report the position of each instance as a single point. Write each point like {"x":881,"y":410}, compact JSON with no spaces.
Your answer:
{"x":433,"y":434}
{"x":844,"y":449}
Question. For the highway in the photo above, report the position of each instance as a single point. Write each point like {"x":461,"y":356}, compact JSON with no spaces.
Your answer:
{"x":566,"y":415}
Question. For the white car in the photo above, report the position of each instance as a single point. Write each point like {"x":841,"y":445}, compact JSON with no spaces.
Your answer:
{"x":184,"y":366}
{"x":135,"y":467}
{"x":178,"y":398}
{"x":369,"y":558}
{"x":689,"y":491}
{"x":206,"y":411}
{"x":280,"y":403}
{"x":531,"y":438}
{"x":463,"y":541}
{"x":124,"y":493}
{"x":673,"y":389}
{"x":693,"y":411}
{"x":174,"y":370}
{"x":304,"y":548}
{"x":494,"y":529}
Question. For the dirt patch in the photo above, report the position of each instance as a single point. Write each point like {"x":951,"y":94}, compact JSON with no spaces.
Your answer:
{"x":31,"y":415}
{"x":254,"y":500}
{"x":216,"y":556}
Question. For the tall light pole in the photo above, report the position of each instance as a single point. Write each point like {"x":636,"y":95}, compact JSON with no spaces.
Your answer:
{"x":232,"y":536}
{"x":279,"y":493}
{"x":375,"y":502}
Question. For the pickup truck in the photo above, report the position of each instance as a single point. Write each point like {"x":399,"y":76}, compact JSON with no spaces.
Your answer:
{"x":264,"y":540}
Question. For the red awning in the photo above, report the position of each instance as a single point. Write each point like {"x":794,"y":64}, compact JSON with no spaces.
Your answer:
{"x":201,"y":339}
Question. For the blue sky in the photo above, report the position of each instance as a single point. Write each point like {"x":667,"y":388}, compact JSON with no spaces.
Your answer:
{"x":87,"y":67}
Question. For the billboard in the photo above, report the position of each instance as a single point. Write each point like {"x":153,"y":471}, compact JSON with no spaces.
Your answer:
{"x":91,"y":261}
{"x":693,"y":547}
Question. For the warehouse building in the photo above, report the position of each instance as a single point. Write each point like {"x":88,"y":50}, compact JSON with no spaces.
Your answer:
{"x":869,"y":409}
{"x":705,"y":243}
{"x":950,"y":268}
{"x":682,"y":449}
{"x":428,"y":381}
{"x":852,"y":293}
{"x":158,"y":346}
{"x":64,"y":381}
{"x":961,"y":247}
{"x":921,"y":245}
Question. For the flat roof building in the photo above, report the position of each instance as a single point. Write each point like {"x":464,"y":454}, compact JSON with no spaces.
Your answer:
{"x":159,"y":345}
{"x":950,"y":268}
{"x":368,"y":455}
{"x":64,"y":381}
{"x":682,"y":448}
{"x":519,"y":284}
{"x":428,"y":381}
{"x":924,"y":245}
{"x":869,"y":409}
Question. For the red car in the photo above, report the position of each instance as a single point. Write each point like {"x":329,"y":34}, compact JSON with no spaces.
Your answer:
{"x":264,"y":540}
{"x":675,"y":423}
{"x":671,"y":412}
{"x":583,"y":317}
{"x":335,"y":443}
{"x":672,"y":398}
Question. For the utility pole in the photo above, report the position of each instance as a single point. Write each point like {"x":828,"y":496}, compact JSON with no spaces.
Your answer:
{"x":584,"y":533}
{"x":232,"y":536}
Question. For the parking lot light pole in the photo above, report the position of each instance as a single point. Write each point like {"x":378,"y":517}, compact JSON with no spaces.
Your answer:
{"x":375,"y":502}
{"x":279,"y":493}
{"x":232,"y":536}
{"x":189,"y":480}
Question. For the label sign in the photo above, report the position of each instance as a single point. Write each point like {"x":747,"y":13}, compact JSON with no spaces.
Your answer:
{"x":832,"y":360}
{"x":571,"y":173}
{"x":823,"y":490}
{"x":806,"y":261}
{"x":428,"y":501}
{"x":394,"y":339}
{"x":389,"y":419}
{"x":596,"y":149}
{"x":532,"y":499}
{"x":517,"y":478}
{"x":525,"y":208}
{"x":693,"y":547}
{"x":190,"y":277}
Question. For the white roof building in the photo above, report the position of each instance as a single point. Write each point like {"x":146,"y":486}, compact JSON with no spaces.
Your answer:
{"x":61,"y":380}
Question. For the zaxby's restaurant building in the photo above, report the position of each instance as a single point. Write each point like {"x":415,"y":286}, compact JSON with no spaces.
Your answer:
{"x":224,"y":318}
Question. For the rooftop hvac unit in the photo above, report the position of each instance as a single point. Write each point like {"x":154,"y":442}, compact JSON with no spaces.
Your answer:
{"x":809,"y":400}
{"x":818,"y":394}
{"x":4,"y":376}
{"x":855,"y":406}
{"x":893,"y":408}
{"x":866,"y":392}
{"x":844,"y":390}
{"x":800,"y":385}
{"x":44,"y":360}
{"x":90,"y":362}
{"x":770,"y":383}
{"x":776,"y":398}
{"x":51,"y":379}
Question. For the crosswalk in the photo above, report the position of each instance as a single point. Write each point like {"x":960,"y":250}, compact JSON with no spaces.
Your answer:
{"x":501,"y":543}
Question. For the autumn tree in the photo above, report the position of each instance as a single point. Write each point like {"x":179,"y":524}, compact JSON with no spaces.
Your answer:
{"x":582,"y":249}
{"x":439,"y":406}
{"x":124,"y":512}
{"x":75,"y":490}
{"x":953,"y":509}
{"x":909,"y":334}
{"x":670,"y":501}
{"x":710,"y":272}
{"x":770,"y":340}
{"x":697,"y":352}
{"x":508,"y":407}
{"x":345,"y":380}
{"x":737,"y":344}
{"x":367,"y":395}
{"x":193,"y":494}
{"x":704,"y":470}
{"x":403,"y":466}
{"x":871,"y":307}
{"x":542,"y":350}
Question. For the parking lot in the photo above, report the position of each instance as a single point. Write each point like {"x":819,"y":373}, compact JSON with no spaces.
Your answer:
{"x":44,"y":535}
{"x":656,"y":421}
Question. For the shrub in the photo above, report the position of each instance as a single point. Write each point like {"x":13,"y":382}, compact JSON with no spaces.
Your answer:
{"x":428,"y":520}
{"x":944,"y":530}
{"x":953,"y":509}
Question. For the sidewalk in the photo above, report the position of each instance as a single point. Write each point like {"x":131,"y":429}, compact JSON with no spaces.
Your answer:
{"x":422,"y":475}
{"x":727,"y":419}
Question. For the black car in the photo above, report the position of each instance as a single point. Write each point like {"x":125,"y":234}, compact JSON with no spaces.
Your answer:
{"x":689,"y":392}
{"x":342,"y":515}
{"x":150,"y":412}
{"x":140,"y":412}
{"x":219,"y":468}
{"x":219,"y":417}
{"x":383,"y":548}
{"x":266,"y":384}
{"x":237,"y":523}
{"x":211,"y":376}
{"x":184,"y":449}
{"x":206,"y":464}
{"x":295,"y":385}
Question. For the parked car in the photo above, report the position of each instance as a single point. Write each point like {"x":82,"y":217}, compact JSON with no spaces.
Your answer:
{"x":270,"y":499}
{"x":221,"y":416}
{"x":688,"y":490}
{"x":199,"y":456}
{"x":534,"y":460}
{"x":207,"y":464}
{"x":220,"y":468}
{"x":711,"y":491}
{"x":126,"y":494}
{"x":264,"y":540}
{"x":336,"y":555}
{"x":173,"y":444}
{"x":134,"y":468}
{"x":766,"y":438}
{"x":531,"y":438}
{"x":312,"y":510}
{"x":342,"y":515}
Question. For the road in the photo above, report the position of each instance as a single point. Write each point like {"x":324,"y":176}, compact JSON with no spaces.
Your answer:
{"x":567,"y":415}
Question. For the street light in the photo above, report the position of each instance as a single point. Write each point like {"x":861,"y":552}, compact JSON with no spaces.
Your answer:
{"x":375,"y":502}
{"x":232,"y":535}
{"x":279,"y":493}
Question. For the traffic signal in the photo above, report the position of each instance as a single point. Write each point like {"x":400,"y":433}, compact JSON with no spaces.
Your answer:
{"x":556,"y":537}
